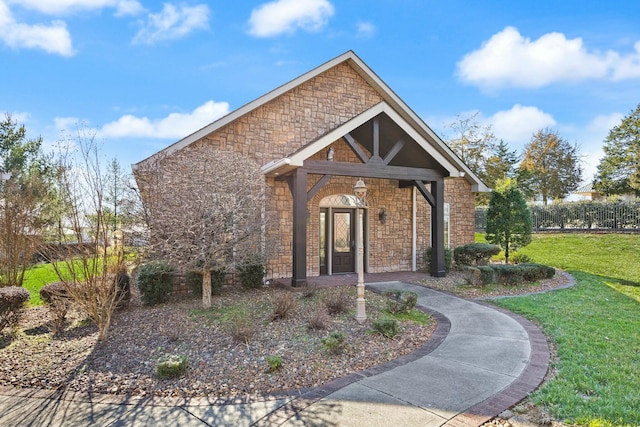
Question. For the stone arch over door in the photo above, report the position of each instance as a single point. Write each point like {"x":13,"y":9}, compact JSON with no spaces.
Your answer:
{"x":337,"y":222}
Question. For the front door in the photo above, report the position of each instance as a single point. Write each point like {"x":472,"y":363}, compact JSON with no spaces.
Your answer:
{"x":343,"y":249}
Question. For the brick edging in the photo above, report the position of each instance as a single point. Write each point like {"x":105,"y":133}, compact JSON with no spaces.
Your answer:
{"x":528,"y":381}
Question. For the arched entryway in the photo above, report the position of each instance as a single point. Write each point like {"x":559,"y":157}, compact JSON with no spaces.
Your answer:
{"x":337,"y":226}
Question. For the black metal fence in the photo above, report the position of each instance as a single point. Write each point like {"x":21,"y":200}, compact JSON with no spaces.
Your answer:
{"x":579,"y":216}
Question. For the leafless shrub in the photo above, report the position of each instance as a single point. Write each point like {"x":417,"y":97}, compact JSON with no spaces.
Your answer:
{"x":242,"y":328}
{"x":283,"y":305}
{"x":337,"y":302}
{"x":318,"y":320}
{"x":309,"y":290}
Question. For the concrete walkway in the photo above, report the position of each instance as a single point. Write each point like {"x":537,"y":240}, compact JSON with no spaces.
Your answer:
{"x":479,"y":362}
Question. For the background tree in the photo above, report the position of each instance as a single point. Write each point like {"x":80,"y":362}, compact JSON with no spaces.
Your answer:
{"x":212,"y":219}
{"x":508,"y":218}
{"x":500,"y":164}
{"x":471,"y":142}
{"x":619,"y":169}
{"x":552,"y":165}
{"x":25,"y":193}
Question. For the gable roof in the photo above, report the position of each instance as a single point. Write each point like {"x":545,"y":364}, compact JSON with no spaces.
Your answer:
{"x":391,"y":103}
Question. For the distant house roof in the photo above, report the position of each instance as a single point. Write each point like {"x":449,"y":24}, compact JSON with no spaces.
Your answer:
{"x":586,"y":189}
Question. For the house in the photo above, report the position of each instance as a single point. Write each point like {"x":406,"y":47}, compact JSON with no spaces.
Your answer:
{"x":587,"y":192}
{"x":316,"y":136}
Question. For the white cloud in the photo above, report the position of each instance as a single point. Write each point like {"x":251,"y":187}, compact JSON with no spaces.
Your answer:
{"x":517,"y":125}
{"x":175,"y":125}
{"x":61,"y":7}
{"x":365,"y":29}
{"x":173,"y":22}
{"x":285,"y":16}
{"x":52,"y":38}
{"x":508,"y":59}
{"x":602,"y":124}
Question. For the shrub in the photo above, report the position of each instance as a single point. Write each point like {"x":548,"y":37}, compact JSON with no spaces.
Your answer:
{"x":386,"y":327}
{"x":317,"y":321}
{"x":194,"y":281}
{"x":283,"y":305}
{"x":309,"y":290}
{"x":335,"y":343}
{"x":448,"y":256}
{"x":155,"y":281}
{"x":242,"y":328}
{"x":12,"y":300}
{"x":475,"y":253}
{"x":519,"y":258}
{"x":251,"y":272}
{"x":56,"y":296}
{"x":508,"y":274}
{"x":534,"y":272}
{"x":400,"y":301}
{"x":172,"y":366}
{"x":274,"y":362}
{"x":336,"y":302}
{"x":487,"y":274}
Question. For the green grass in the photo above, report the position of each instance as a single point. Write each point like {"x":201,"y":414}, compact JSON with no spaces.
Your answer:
{"x":414,"y":315}
{"x":35,"y":278}
{"x":595,"y":326}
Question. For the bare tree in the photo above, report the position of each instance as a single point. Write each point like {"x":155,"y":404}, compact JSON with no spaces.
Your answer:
{"x":91,"y":275}
{"x":210,"y":216}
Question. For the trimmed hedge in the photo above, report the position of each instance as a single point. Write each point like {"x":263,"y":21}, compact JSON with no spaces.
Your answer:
{"x":155,"y":281}
{"x":251,"y":273}
{"x":12,"y":301}
{"x":194,"y":281}
{"x":475,"y":253}
{"x":507,"y":274}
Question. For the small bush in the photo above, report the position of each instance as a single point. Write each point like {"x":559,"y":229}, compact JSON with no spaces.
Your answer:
{"x":155,"y":281}
{"x":336,"y":302}
{"x":535,"y":272}
{"x":309,"y":290}
{"x":274,"y":362}
{"x":241,"y":328}
{"x":508,"y":274}
{"x":519,"y":258}
{"x":400,"y":301}
{"x":317,"y":321}
{"x":172,"y":366}
{"x":335,"y":343}
{"x":475,"y":253}
{"x":448,"y":256}
{"x":251,"y":273}
{"x":55,"y":295}
{"x":386,"y":327}
{"x":283,"y":305}
{"x":487,"y":274}
{"x":12,"y":301}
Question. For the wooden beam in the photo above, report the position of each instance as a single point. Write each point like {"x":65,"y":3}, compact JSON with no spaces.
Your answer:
{"x":356,"y":148}
{"x":299,"y":272}
{"x":376,"y":138}
{"x":425,"y":193}
{"x":392,"y":153}
{"x":371,"y":170}
{"x":317,"y":186}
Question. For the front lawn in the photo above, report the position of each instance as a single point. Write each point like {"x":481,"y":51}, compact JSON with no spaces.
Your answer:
{"x":35,"y":278}
{"x":595,"y":326}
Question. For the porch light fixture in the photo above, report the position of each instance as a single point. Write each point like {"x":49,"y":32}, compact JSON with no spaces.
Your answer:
{"x":360,"y":191}
{"x":330,"y":154}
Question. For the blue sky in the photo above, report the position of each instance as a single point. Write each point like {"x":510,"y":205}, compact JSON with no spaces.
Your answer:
{"x":145,"y":74}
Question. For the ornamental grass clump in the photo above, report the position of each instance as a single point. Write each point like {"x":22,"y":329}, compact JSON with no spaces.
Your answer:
{"x":57,"y":299}
{"x":283,"y":305}
{"x":274,"y":362}
{"x":337,"y":302}
{"x":172,"y":366}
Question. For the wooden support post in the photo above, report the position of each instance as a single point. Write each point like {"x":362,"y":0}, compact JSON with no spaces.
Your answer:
{"x":299,"y":228}
{"x":437,"y":229}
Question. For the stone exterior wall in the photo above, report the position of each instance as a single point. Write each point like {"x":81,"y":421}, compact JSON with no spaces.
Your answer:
{"x":298,"y":117}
